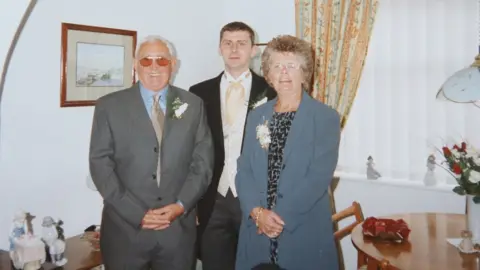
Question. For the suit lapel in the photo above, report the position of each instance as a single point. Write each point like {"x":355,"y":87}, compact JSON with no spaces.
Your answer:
{"x":261,"y":155}
{"x":216,"y":111}
{"x":257,"y":92}
{"x":140,"y":115}
{"x":298,"y":124}
{"x":169,"y":121}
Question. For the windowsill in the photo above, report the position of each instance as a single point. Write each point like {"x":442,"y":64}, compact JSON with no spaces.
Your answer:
{"x":404,"y":183}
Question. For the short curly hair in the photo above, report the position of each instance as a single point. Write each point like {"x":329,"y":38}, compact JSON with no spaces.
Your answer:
{"x":290,"y":44}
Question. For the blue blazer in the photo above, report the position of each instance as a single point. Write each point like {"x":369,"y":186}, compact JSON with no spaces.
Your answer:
{"x":310,"y":158}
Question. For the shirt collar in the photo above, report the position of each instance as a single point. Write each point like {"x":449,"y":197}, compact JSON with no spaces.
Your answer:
{"x":242,"y":77}
{"x":148,"y":94}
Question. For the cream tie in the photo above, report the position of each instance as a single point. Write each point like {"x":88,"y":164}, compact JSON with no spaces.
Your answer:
{"x":235,"y":100}
{"x":158,"y":119}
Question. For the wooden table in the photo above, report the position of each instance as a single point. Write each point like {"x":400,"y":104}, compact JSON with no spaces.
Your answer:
{"x":427,"y":248}
{"x":79,"y":253}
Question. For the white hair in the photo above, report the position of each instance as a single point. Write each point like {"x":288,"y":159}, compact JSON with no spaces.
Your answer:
{"x":154,"y":38}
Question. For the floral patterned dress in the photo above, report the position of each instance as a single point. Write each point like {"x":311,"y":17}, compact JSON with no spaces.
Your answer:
{"x":279,"y":129}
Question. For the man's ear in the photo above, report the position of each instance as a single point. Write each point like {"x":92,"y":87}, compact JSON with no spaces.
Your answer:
{"x":254,"y":51}
{"x":173,"y":63}
{"x":135,"y":64}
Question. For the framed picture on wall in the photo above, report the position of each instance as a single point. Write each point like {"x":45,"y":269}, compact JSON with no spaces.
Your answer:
{"x":95,"y":61}
{"x":256,"y":62}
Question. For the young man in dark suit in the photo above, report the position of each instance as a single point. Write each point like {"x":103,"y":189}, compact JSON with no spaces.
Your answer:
{"x":228,"y":98}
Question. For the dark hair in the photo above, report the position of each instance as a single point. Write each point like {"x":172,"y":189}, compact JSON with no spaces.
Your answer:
{"x":238,"y":26}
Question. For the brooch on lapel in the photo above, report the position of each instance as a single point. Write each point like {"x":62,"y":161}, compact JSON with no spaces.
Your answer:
{"x":263,"y":135}
{"x":179,"y":107}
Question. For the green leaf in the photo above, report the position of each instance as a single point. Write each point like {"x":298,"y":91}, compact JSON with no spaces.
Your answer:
{"x":476,"y":199}
{"x":459,"y":190}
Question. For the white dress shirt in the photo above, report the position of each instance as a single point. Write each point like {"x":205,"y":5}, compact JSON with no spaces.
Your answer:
{"x":233,"y":135}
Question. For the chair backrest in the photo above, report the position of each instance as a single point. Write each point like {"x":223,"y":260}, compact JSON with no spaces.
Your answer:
{"x":354,"y":210}
{"x":331,"y":191}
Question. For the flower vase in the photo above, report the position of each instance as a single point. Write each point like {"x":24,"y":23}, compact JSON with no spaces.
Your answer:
{"x":473,"y":219}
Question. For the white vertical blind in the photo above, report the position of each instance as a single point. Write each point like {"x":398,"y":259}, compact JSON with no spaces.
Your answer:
{"x":415,"y":46}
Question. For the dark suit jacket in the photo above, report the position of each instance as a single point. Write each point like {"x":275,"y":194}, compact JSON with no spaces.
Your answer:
{"x":124,"y":154}
{"x":209,"y":91}
{"x":309,"y":160}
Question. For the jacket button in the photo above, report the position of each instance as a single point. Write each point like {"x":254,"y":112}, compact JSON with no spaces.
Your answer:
{"x":283,"y":167}
{"x":155,"y":149}
{"x":154,"y":176}
{"x":159,"y":198}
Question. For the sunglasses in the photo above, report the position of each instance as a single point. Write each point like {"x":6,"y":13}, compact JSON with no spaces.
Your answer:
{"x":148,"y":61}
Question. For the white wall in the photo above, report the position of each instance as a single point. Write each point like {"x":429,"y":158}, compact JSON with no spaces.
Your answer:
{"x":43,"y":149}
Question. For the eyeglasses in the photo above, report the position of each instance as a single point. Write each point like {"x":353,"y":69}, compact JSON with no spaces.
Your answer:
{"x":148,"y":61}
{"x":278,"y":67}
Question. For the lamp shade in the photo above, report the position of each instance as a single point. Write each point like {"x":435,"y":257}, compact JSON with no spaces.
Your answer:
{"x":463,"y":86}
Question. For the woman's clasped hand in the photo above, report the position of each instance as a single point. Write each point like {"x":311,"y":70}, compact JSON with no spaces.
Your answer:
{"x":268,"y":222}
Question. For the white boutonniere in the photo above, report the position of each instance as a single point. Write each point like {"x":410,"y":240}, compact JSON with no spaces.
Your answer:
{"x":263,"y":135}
{"x":260,"y":102}
{"x":255,"y":103}
{"x":179,"y":107}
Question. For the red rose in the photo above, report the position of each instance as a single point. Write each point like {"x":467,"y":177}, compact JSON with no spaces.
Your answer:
{"x":461,"y":148}
{"x":446,"y":152}
{"x":457,"y":169}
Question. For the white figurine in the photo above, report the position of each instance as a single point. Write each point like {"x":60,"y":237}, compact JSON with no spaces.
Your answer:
{"x":430,"y":179}
{"x":371,"y":172}
{"x":27,"y":251}
{"x":19,"y":229}
{"x":56,"y":246}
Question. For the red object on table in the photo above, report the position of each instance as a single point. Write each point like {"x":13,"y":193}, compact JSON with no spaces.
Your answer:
{"x":386,"y":229}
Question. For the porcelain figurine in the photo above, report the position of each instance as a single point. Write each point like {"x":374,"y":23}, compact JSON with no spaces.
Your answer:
{"x":430,"y":178}
{"x":466,"y":245}
{"x":372,"y":174}
{"x":54,"y":241}
{"x":18,"y":230}
{"x":27,"y":251}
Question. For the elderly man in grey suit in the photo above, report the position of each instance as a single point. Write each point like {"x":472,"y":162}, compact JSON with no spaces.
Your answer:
{"x":151,"y":159}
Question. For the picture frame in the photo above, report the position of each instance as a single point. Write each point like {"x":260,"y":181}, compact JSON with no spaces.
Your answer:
{"x":95,"y":61}
{"x":256,"y":63}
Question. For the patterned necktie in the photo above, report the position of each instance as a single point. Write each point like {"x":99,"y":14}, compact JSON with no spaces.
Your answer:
{"x":158,"y":119}
{"x":235,"y":100}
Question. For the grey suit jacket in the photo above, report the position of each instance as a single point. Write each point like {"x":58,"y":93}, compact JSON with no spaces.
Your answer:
{"x":124,"y":154}
{"x":309,"y":161}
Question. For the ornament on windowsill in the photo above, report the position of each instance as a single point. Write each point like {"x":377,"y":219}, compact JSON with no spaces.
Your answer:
{"x":372,"y":174}
{"x":430,"y":178}
{"x":27,"y":251}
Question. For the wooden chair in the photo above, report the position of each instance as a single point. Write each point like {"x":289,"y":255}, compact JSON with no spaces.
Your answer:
{"x":363,"y":263}
{"x":355,"y":210}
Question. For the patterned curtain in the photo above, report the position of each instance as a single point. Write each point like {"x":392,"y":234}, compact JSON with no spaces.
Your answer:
{"x":339,"y":31}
